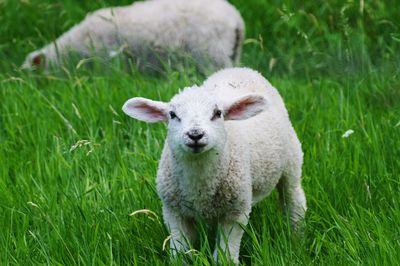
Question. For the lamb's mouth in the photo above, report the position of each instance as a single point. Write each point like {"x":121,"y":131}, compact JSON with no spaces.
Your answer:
{"x":196,"y":147}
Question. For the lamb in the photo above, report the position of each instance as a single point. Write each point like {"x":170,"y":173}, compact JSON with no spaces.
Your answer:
{"x":209,"y":31}
{"x":229,"y":144}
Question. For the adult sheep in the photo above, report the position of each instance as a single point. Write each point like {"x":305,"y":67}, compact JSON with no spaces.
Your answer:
{"x":230,"y":143}
{"x":153,"y":33}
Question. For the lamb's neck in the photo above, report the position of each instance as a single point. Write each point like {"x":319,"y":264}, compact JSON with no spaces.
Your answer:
{"x":203,"y":169}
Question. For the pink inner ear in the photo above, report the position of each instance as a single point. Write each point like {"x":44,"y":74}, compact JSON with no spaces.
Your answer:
{"x":37,"y":60}
{"x":239,"y":107}
{"x":151,"y":111}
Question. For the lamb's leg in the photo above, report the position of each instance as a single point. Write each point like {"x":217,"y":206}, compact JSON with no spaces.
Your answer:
{"x":229,"y":238}
{"x":292,"y":199}
{"x":182,"y":231}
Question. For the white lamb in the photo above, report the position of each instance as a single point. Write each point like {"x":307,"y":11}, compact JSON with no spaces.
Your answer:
{"x":209,"y":31}
{"x":229,"y":144}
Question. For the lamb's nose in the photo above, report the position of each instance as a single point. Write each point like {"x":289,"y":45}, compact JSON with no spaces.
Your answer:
{"x":195,"y":134}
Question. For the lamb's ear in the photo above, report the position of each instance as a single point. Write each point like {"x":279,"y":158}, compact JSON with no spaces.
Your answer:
{"x":38,"y":60}
{"x":245,"y":107}
{"x":146,"y":110}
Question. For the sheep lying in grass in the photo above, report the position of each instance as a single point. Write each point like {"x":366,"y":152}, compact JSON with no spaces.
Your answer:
{"x":229,"y":144}
{"x":152,"y":33}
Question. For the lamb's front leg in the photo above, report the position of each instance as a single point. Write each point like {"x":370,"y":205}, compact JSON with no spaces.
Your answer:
{"x":182,"y":231}
{"x":229,"y":238}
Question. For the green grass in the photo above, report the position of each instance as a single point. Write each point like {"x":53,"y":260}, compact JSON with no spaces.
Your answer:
{"x":73,"y":166}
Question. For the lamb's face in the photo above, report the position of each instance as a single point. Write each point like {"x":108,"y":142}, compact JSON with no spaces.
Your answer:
{"x":195,"y":118}
{"x":35,"y":60}
{"x":195,"y":123}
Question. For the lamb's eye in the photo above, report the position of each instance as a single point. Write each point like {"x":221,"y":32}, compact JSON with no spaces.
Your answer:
{"x":172,"y":115}
{"x":217,"y":114}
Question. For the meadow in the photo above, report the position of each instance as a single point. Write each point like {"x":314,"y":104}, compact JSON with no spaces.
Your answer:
{"x":73,"y":167}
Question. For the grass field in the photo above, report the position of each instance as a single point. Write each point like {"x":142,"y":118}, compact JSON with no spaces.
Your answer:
{"x":73,"y":166}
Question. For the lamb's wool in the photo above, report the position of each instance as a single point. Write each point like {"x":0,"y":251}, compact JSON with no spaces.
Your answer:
{"x":244,"y":162}
{"x":210,"y":31}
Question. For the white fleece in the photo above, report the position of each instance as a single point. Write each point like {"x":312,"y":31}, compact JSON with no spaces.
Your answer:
{"x":241,"y":161}
{"x":209,"y":31}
